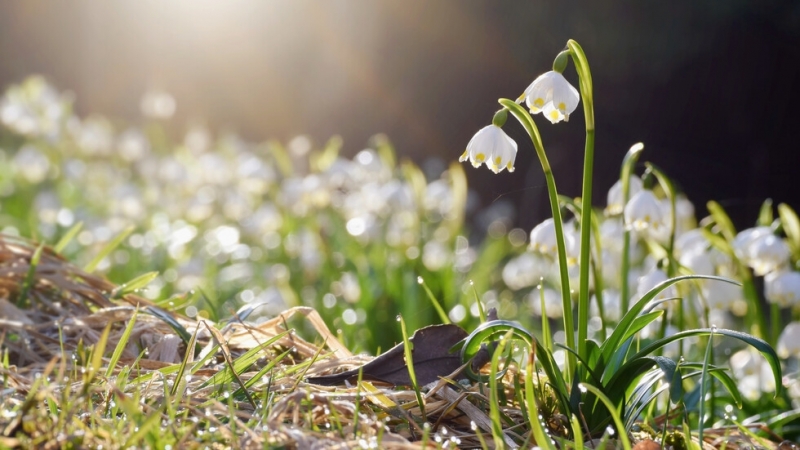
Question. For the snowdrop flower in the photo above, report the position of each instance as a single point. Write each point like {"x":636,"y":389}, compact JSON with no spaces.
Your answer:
{"x":789,"y":341}
{"x":614,"y":201}
{"x":643,"y":212}
{"x":782,"y":287}
{"x":552,"y":94}
{"x":491,"y":145}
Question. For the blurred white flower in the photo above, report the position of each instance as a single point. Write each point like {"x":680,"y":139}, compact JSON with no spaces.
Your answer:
{"x":789,"y":341}
{"x":614,"y":201}
{"x":767,"y":253}
{"x":551,"y":94}
{"x":553,"y":307}
{"x":753,"y":373}
{"x":493,"y":146}
{"x":720,"y":295}
{"x":698,"y":260}
{"x":643,"y":212}
{"x":524,"y":270}
{"x":158,"y":104}
{"x":782,"y":287}
{"x":652,"y":279}
{"x":543,"y":238}
{"x":745,"y":238}
{"x":31,"y":163}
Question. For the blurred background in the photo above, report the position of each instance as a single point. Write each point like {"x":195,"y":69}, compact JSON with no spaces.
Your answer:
{"x":710,"y":87}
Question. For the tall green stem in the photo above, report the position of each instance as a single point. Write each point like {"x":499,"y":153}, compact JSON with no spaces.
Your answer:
{"x":526,"y":121}
{"x":625,"y":177}
{"x":585,"y":77}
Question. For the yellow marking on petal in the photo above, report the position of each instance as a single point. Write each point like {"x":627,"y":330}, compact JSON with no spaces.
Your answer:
{"x":554,"y":115}
{"x":510,"y":167}
{"x":497,"y":161}
{"x":480,"y":157}
{"x":463,"y":156}
{"x":539,"y":102}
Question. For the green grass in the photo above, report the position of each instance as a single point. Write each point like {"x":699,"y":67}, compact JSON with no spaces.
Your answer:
{"x":177,"y":292}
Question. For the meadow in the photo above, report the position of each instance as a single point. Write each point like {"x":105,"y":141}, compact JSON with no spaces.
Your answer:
{"x":205,"y":291}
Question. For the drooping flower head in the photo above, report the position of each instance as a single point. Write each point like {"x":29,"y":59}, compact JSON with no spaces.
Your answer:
{"x":552,"y":95}
{"x":491,"y":145}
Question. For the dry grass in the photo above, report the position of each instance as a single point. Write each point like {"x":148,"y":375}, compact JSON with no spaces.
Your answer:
{"x":48,"y":327}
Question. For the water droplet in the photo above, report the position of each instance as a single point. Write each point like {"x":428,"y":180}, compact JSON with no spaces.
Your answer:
{"x":471,"y":283}
{"x":713,"y":328}
{"x":420,"y":280}
{"x":610,"y":431}
{"x":399,"y":318}
{"x":582,"y":388}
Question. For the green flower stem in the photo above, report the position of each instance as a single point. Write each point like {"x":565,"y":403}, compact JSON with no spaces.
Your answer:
{"x":585,"y":77}
{"x":526,"y":121}
{"x":625,"y":177}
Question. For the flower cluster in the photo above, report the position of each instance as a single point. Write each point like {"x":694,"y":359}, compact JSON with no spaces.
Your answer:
{"x":247,"y":223}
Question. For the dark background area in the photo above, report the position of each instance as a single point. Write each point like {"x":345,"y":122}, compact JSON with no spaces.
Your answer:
{"x":708,"y":86}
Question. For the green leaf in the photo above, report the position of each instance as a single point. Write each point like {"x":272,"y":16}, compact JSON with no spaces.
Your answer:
{"x":29,"y":281}
{"x":791,"y":226}
{"x":169,"y":320}
{"x":132,"y":286}
{"x":123,"y":341}
{"x":241,"y":363}
{"x":765,"y":216}
{"x":762,"y":346}
{"x":611,"y":344}
{"x":641,"y":322}
{"x":68,"y":237}
{"x":107,"y":249}
{"x":722,"y":220}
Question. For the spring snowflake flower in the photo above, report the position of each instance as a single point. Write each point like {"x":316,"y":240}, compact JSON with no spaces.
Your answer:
{"x":789,"y":341}
{"x":491,"y":145}
{"x":614,"y":199}
{"x":782,"y":287}
{"x":552,"y":95}
{"x":767,"y":253}
{"x":643,"y":212}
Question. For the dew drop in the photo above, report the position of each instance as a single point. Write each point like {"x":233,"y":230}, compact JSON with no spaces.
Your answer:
{"x":420,"y":280}
{"x":399,"y":318}
{"x":713,"y":328}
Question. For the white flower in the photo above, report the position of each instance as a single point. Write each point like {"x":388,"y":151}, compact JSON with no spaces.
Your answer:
{"x":745,"y":238}
{"x":767,"y":253}
{"x":491,"y":145}
{"x":543,"y":239}
{"x":553,"y":306}
{"x":782,"y":287}
{"x":614,"y":200}
{"x":643,"y":212}
{"x":652,"y":279}
{"x":789,"y":341}
{"x":724,"y":296}
{"x":552,"y":94}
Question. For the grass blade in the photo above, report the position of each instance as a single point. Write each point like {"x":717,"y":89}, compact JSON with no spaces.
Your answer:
{"x":107,"y":249}
{"x":68,"y":237}
{"x":123,"y":341}
{"x":134,"y":285}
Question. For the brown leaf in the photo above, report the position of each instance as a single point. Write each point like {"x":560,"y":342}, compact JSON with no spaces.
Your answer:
{"x":430,"y":353}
